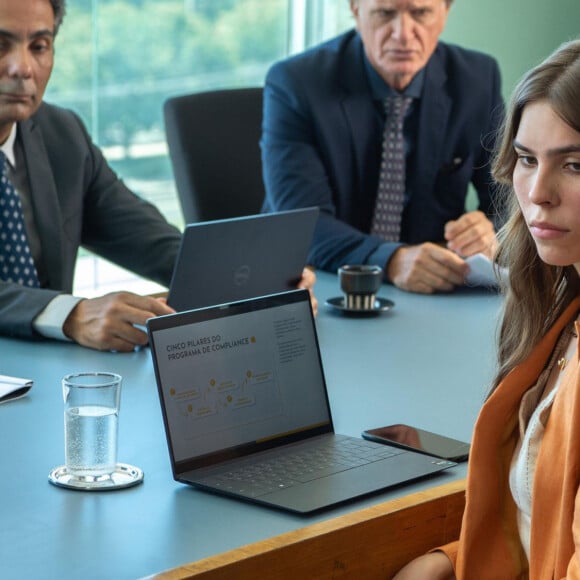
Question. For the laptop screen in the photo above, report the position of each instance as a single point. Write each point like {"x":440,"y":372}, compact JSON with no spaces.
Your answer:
{"x":239,"y":377}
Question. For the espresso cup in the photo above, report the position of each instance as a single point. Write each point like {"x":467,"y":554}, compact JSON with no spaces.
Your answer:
{"x":360,"y":284}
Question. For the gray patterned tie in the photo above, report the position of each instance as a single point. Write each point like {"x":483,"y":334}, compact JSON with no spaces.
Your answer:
{"x":16,"y":263}
{"x":391,"y":190}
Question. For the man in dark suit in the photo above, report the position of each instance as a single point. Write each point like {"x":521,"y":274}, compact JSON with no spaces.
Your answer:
{"x":70,"y":197}
{"x":323,"y":130}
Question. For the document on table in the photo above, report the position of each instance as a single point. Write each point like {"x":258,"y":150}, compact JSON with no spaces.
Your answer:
{"x":12,"y":388}
{"x":482,"y":271}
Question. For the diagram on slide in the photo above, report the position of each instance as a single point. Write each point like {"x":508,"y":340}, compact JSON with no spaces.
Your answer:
{"x":227,"y":396}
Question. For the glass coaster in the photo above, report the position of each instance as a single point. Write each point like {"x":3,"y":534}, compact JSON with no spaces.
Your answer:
{"x":123,"y":476}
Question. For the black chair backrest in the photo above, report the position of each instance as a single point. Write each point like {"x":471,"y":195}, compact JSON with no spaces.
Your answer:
{"x":213,"y":139}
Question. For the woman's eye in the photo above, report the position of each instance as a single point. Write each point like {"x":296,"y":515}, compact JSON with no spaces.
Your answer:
{"x":526,"y":160}
{"x":573,"y":166}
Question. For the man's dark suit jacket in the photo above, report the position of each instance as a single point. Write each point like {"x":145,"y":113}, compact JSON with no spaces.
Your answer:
{"x":321,"y":147}
{"x":78,"y":200}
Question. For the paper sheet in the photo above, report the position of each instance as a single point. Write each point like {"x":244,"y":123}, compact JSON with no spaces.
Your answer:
{"x":481,"y":271}
{"x":12,"y":388}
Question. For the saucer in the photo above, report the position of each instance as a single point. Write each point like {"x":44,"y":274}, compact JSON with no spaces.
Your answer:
{"x":381,"y":305}
{"x":123,"y":476}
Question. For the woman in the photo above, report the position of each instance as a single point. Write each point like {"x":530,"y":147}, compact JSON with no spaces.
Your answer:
{"x":522,"y":515}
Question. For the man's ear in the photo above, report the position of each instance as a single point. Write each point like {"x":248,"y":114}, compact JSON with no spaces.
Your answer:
{"x":354,"y":9}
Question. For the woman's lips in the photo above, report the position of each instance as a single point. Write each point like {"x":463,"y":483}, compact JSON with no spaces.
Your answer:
{"x":546,"y":231}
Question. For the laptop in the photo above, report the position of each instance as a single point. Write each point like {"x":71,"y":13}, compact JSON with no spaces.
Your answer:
{"x":246,"y":409}
{"x":233,"y":259}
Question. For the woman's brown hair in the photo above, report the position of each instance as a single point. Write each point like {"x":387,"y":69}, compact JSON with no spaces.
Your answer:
{"x":535,"y":292}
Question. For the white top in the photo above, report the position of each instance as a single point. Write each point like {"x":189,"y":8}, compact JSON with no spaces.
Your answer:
{"x":523,"y":465}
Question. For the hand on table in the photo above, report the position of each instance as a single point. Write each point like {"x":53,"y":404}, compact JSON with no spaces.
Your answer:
{"x":471,"y":234}
{"x":426,"y":268}
{"x":108,"y":322}
{"x":307,"y":281}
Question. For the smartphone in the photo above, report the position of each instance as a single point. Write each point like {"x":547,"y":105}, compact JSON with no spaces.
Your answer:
{"x":419,"y":440}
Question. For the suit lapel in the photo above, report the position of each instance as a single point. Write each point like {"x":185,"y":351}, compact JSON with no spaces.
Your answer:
{"x":45,"y":202}
{"x":359,"y":117}
{"x":357,"y":104}
{"x":433,"y":122}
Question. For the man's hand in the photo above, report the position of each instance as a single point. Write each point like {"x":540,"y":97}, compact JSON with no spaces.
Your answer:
{"x":107,"y":323}
{"x":426,"y":268}
{"x":471,"y":234}
{"x":307,"y":281}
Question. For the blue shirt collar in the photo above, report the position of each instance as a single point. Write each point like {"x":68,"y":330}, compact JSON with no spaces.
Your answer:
{"x":381,"y":90}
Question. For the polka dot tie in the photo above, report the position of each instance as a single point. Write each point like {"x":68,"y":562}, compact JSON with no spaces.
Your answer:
{"x":391,"y":190}
{"x":16,"y":263}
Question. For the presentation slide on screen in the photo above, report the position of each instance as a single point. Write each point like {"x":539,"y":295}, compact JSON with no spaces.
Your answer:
{"x":239,"y":379}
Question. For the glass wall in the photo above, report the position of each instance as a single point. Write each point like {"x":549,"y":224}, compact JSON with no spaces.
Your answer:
{"x":118,"y":60}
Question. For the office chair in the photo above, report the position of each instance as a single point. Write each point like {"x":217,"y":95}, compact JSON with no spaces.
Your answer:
{"x":213,"y":139}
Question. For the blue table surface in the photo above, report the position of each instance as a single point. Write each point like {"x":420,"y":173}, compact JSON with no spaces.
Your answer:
{"x":427,"y":362}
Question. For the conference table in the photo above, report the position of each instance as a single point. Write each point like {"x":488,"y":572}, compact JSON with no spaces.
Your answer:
{"x":427,"y":362}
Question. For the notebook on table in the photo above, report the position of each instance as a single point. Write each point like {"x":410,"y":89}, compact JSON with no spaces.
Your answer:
{"x":233,"y":259}
{"x":246,"y":409}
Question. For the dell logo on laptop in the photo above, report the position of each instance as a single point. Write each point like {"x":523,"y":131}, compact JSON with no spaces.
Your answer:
{"x":241,"y":275}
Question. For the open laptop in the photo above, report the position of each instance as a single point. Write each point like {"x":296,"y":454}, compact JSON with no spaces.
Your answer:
{"x":246,"y":410}
{"x":233,"y":259}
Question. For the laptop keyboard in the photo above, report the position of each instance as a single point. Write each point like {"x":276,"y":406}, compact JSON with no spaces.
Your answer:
{"x":295,"y":466}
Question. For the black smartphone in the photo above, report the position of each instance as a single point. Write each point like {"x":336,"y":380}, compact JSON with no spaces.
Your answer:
{"x":419,"y":440}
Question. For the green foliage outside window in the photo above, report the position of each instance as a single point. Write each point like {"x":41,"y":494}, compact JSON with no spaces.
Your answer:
{"x":117,"y":61}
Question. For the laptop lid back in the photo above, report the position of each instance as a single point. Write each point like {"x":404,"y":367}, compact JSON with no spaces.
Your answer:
{"x":235,"y":259}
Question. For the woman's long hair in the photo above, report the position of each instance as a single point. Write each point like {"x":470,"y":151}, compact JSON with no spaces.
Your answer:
{"x":536,"y":293}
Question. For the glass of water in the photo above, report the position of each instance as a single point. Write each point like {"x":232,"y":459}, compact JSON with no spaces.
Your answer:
{"x":91,"y":425}
{"x":91,"y":417}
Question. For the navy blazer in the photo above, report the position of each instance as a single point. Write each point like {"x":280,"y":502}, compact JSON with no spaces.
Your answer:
{"x":320,"y":145}
{"x":77,"y":200}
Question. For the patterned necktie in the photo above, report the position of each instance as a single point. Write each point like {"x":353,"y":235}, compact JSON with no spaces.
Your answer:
{"x":391,"y":191}
{"x":16,"y":263}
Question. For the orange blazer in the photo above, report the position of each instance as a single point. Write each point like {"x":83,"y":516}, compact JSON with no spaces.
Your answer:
{"x":489,"y":546}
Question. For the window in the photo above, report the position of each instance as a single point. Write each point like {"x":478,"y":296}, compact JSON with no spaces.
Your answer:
{"x":118,"y":60}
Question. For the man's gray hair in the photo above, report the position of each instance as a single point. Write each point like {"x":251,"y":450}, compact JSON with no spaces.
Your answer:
{"x":59,"y":10}
{"x":448,"y":2}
